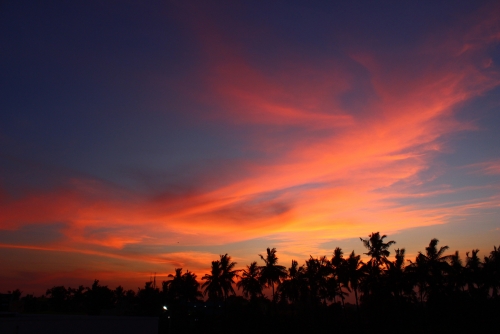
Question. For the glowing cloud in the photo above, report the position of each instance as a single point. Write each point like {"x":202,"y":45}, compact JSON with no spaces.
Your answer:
{"x":329,"y":153}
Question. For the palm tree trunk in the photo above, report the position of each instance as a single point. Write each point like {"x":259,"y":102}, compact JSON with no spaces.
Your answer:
{"x":341,"y":296}
{"x":421,"y":296}
{"x":356,"y":295}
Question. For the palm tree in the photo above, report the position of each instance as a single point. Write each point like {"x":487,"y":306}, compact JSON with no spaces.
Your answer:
{"x":190,"y":287}
{"x":250,"y":282}
{"x":377,"y":249}
{"x":182,"y":286}
{"x":173,"y":287}
{"x":491,"y":269}
{"x":437,"y":264}
{"x":271,"y":272}
{"x":473,"y":271}
{"x":338,"y":265}
{"x":293,"y":284}
{"x":396,"y":279}
{"x":417,"y":272}
{"x":227,"y":274}
{"x":213,"y":285}
{"x":435,"y":255}
{"x":219,"y":283}
{"x":429,"y":269}
{"x":316,"y":275}
{"x":354,"y":273}
{"x":455,"y":274}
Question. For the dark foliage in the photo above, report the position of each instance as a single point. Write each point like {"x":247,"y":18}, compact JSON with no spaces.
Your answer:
{"x":435,"y":292}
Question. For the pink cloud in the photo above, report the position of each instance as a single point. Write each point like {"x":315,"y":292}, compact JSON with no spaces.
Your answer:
{"x":336,"y":179}
{"x":488,"y":167}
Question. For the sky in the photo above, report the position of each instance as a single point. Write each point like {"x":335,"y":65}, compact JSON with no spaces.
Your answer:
{"x":140,"y":137}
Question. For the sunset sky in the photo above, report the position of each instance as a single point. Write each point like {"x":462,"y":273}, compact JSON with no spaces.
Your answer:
{"x":138,"y":138}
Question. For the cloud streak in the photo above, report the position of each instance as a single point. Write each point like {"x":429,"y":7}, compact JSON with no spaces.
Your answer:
{"x":332,"y":149}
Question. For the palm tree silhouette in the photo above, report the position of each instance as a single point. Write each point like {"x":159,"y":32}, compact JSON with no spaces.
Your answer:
{"x":316,"y":275}
{"x":219,"y":283}
{"x":338,"y":265}
{"x":396,"y":278}
{"x":456,"y":280}
{"x":429,"y":270}
{"x":250,"y":281}
{"x":417,"y":272}
{"x":213,"y":285}
{"x":271,"y":272}
{"x":491,"y":268}
{"x":293,"y":284}
{"x":473,"y":273}
{"x":354,"y":273}
{"x":173,"y":288}
{"x":227,"y":274}
{"x":377,"y":249}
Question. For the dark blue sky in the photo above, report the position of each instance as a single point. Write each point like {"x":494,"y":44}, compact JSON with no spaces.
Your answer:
{"x":140,"y":137}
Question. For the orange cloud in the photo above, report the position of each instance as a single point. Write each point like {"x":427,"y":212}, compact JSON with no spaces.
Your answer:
{"x":332,"y":172}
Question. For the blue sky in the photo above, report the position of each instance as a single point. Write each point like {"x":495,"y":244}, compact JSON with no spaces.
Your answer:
{"x":138,"y":138}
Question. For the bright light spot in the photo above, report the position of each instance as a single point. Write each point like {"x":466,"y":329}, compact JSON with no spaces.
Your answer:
{"x":165,"y":308}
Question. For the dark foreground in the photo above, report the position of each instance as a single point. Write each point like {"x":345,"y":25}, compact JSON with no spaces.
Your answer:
{"x":75,"y":324}
{"x":238,"y":317}
{"x":449,"y":318}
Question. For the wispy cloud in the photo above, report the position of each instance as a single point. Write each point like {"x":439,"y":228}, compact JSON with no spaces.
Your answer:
{"x":323,"y":165}
{"x":491,"y":167}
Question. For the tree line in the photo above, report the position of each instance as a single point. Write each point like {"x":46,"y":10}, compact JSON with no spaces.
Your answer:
{"x":321,"y":284}
{"x":431,"y":276}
